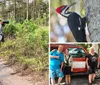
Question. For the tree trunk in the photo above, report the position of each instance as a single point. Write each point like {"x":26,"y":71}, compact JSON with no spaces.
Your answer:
{"x":27,"y":9}
{"x":15,"y":9}
{"x":92,"y":9}
{"x":34,"y":9}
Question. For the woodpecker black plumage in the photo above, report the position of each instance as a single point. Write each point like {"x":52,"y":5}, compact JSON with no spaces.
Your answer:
{"x":75,"y":22}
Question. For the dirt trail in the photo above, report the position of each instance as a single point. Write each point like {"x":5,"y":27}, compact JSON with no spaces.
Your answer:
{"x":7,"y":79}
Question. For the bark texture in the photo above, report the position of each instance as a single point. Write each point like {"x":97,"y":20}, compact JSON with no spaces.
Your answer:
{"x":92,"y":9}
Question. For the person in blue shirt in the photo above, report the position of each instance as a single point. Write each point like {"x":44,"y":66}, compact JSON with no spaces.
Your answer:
{"x":56,"y":64}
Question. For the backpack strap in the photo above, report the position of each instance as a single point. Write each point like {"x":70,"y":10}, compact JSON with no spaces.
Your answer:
{"x":68,"y":59}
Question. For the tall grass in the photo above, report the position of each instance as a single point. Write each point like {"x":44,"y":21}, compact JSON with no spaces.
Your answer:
{"x":27,"y":44}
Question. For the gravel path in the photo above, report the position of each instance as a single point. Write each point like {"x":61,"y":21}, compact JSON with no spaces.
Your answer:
{"x":7,"y":79}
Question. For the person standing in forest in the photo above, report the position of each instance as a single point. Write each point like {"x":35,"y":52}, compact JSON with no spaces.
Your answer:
{"x":92,"y":65}
{"x":56,"y":64}
{"x":1,"y":28}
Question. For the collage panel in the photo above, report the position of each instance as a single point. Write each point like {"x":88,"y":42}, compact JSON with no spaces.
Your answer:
{"x":74,"y":42}
{"x":74,"y":21}
{"x":24,"y":38}
{"x":49,"y":42}
{"x":74,"y":64}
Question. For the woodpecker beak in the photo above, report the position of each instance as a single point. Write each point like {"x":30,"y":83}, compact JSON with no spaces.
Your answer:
{"x":58,"y":10}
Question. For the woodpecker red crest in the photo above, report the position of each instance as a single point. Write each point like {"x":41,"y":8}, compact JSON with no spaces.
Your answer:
{"x":59,"y":9}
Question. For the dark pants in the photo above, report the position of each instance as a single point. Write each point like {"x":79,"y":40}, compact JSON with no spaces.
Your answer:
{"x":2,"y":40}
{"x":67,"y":70}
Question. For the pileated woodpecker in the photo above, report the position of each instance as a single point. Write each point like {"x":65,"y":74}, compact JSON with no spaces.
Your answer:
{"x":75,"y":22}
